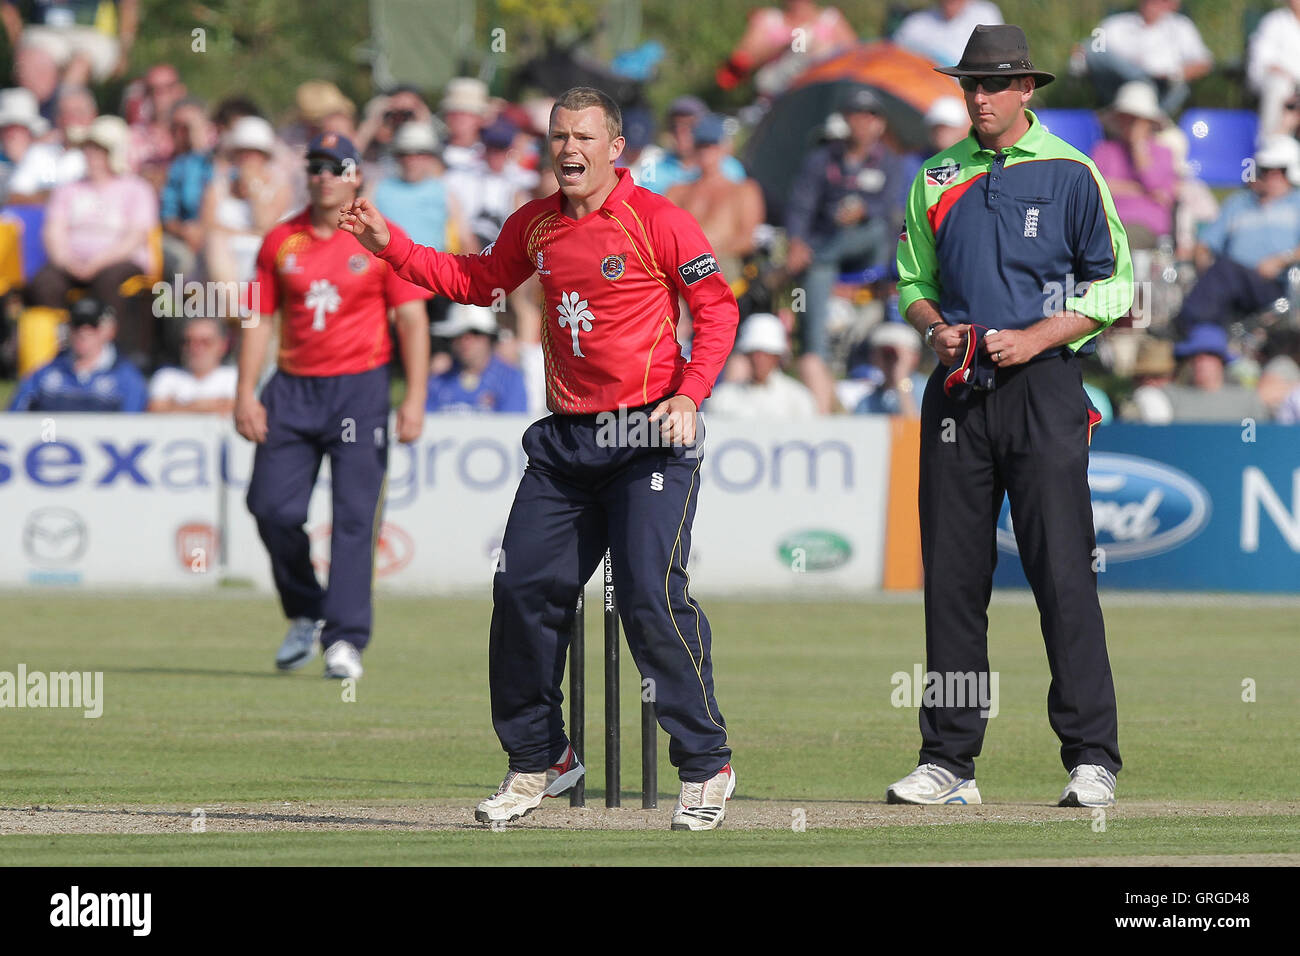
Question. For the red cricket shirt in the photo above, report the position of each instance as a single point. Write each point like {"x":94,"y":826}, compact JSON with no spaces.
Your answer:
{"x":333,"y":296}
{"x":612,"y":280}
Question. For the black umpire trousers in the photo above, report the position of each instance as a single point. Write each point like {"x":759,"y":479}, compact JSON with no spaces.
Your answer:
{"x":1027,"y":438}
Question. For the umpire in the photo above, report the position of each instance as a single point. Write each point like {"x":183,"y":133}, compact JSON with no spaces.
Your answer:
{"x":1011,"y":261}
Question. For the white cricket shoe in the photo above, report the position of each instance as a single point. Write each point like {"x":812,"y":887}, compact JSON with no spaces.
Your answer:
{"x":342,"y":660}
{"x":521,"y":793}
{"x":299,"y":644}
{"x":930,"y":783}
{"x":703,"y":805}
{"x":1090,"y":785}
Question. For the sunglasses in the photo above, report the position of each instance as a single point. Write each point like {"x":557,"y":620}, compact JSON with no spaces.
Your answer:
{"x":192,"y":340}
{"x":317,"y":166}
{"x":991,"y":84}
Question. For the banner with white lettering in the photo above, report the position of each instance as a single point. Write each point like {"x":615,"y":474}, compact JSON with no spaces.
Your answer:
{"x":109,"y":500}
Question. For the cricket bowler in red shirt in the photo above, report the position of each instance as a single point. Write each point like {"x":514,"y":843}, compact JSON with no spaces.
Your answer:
{"x":617,"y":463}
{"x":328,"y":396}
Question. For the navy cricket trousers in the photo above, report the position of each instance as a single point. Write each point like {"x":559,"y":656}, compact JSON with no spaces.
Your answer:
{"x":580,"y":494}
{"x":1027,"y":438}
{"x":309,"y":417}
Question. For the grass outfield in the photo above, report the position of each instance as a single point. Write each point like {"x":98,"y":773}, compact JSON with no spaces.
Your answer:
{"x":194,"y":715}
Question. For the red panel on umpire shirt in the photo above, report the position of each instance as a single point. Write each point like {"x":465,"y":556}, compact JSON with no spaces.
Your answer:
{"x":334,"y":298}
{"x":610,"y":326}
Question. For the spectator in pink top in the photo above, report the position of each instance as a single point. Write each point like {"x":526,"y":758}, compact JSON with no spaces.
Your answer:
{"x":97,"y":229}
{"x":1139,"y":171}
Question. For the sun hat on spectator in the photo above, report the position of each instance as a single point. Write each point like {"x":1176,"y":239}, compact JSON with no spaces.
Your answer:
{"x":109,"y":132}
{"x":333,"y":146}
{"x":416,"y":138}
{"x":317,"y":99}
{"x":465,"y":94}
{"x":762,"y":332}
{"x":895,"y":335}
{"x":1279,"y":151}
{"x":1138,"y":98}
{"x":18,"y":108}
{"x":465,"y":318}
{"x":250,"y":132}
{"x":1155,"y":358}
{"x":1204,"y":339}
{"x":499,"y":134}
{"x":947,"y":111}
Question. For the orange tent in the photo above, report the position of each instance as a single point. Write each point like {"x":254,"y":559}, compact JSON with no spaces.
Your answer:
{"x":886,"y":68}
{"x":905,"y":83}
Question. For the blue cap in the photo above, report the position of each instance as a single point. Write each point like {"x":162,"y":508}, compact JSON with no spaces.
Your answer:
{"x":334,"y":146}
{"x":709,"y":130}
{"x":1204,"y":339}
{"x":687,"y":106}
{"x":863,"y":100}
{"x":638,"y":127}
{"x":499,"y":134}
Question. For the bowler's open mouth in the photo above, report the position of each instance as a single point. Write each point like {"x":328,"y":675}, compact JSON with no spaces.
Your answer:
{"x":571,"y":172}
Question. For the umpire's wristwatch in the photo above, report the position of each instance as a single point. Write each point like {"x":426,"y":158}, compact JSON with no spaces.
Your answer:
{"x":929,"y":333}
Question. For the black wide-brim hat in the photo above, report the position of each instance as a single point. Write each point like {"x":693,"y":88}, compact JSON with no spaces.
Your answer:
{"x":1000,"y":50}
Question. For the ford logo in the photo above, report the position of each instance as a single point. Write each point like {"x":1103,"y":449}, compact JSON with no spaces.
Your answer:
{"x":1139,"y":507}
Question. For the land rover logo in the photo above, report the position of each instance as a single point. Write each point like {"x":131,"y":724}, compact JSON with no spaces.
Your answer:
{"x":1140,"y":507}
{"x":815,"y":550}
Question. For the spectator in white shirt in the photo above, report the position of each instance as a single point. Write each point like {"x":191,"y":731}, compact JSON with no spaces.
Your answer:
{"x":203,"y":384}
{"x":35,"y":168}
{"x":1273,"y":64}
{"x":494,"y":187}
{"x":1155,"y":43}
{"x":769,"y":394}
{"x":940,"y":32}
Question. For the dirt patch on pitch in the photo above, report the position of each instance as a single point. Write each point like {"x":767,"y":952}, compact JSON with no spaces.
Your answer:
{"x":557,"y":814}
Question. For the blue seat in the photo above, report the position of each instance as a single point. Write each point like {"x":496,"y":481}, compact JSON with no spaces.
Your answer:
{"x":1218,"y":144}
{"x":1080,"y":128}
{"x":33,"y":220}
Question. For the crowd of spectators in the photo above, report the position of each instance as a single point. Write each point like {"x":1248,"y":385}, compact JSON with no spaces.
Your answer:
{"x":168,"y":185}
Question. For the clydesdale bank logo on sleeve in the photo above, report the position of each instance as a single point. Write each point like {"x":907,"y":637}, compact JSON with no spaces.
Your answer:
{"x":701,"y":267}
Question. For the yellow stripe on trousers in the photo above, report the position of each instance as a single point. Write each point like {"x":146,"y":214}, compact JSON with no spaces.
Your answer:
{"x":677,"y":547}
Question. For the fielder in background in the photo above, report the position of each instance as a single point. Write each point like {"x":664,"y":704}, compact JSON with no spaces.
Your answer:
{"x":328,"y":396}
{"x":613,"y":259}
{"x":1012,"y":261}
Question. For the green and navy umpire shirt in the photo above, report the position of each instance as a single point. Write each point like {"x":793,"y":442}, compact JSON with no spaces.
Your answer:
{"x":1004,"y":240}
